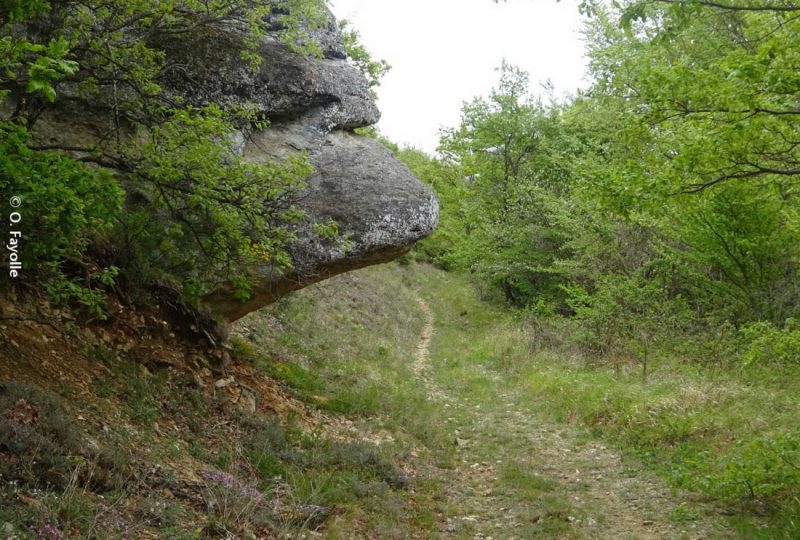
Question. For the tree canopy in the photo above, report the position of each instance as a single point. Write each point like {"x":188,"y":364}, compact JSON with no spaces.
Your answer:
{"x":676,"y":166}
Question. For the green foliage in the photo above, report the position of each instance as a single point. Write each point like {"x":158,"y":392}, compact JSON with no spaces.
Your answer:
{"x":739,"y":239}
{"x":297,"y":20}
{"x":452,"y":190}
{"x":688,"y":69}
{"x":48,"y":68}
{"x":65,"y":206}
{"x":373,"y":70}
{"x":675,"y":167}
{"x":196,"y":213}
{"x":759,"y":470}
{"x":628,"y":315}
{"x":220,"y":213}
{"x":692,"y":97}
{"x":514,"y":163}
{"x":767,"y":344}
{"x":38,"y":65}
{"x":765,"y":468}
{"x":84,"y":295}
{"x":62,"y":200}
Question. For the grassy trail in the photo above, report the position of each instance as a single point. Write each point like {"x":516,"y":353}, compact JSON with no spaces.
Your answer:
{"x":519,"y":476}
{"x":499,"y":437}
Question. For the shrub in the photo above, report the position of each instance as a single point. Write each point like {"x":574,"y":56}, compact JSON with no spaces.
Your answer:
{"x":65,"y":205}
{"x":767,"y":344}
{"x":765,"y":468}
{"x":63,"y":201}
{"x":628,"y":316}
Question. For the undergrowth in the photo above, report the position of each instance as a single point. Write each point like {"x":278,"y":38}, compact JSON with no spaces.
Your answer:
{"x":717,"y":426}
{"x":723,"y":430}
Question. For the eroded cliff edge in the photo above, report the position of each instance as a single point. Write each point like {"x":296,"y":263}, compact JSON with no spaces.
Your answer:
{"x":313,"y":104}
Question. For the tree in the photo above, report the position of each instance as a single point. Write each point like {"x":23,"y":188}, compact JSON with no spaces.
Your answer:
{"x":695,"y":111}
{"x":444,"y":246}
{"x":196,"y":213}
{"x":510,"y":149}
{"x":373,"y":70}
{"x":690,"y":69}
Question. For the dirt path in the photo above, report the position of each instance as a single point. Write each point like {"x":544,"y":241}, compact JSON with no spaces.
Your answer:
{"x":520,"y":476}
{"x":422,"y":359}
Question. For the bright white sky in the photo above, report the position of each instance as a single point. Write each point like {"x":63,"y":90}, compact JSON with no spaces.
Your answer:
{"x":445,"y":52}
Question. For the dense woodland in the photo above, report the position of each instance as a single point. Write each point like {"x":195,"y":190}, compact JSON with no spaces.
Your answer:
{"x":648,"y":224}
{"x":665,"y":190}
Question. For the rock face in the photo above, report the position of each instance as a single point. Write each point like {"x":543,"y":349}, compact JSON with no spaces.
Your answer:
{"x":376,"y":201}
{"x":313,"y":105}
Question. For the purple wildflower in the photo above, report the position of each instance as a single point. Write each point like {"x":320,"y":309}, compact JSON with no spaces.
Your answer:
{"x":230,"y":482}
{"x":48,"y":531}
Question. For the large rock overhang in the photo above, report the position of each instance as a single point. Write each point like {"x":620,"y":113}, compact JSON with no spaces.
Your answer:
{"x":378,"y":204}
{"x":313,"y":105}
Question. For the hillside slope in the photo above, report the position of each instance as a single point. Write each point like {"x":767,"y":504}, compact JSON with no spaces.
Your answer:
{"x":387,"y":403}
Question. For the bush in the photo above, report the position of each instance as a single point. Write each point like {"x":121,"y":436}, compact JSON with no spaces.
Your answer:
{"x":766,"y":468}
{"x":65,"y":205}
{"x":628,"y":316}
{"x":767,"y":344}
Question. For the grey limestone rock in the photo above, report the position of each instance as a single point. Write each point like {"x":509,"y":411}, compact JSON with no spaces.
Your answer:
{"x":359,"y":184}
{"x":313,"y":104}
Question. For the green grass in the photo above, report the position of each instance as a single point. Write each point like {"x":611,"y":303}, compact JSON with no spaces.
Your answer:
{"x":729,"y":433}
{"x":726,"y":436}
{"x":527,"y":485}
{"x":347,"y":347}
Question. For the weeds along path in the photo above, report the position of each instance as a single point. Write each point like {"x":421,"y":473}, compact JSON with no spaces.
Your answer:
{"x":518,"y":475}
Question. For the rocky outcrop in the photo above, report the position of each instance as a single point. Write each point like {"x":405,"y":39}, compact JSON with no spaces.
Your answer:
{"x":381,"y":207}
{"x":313,"y":104}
